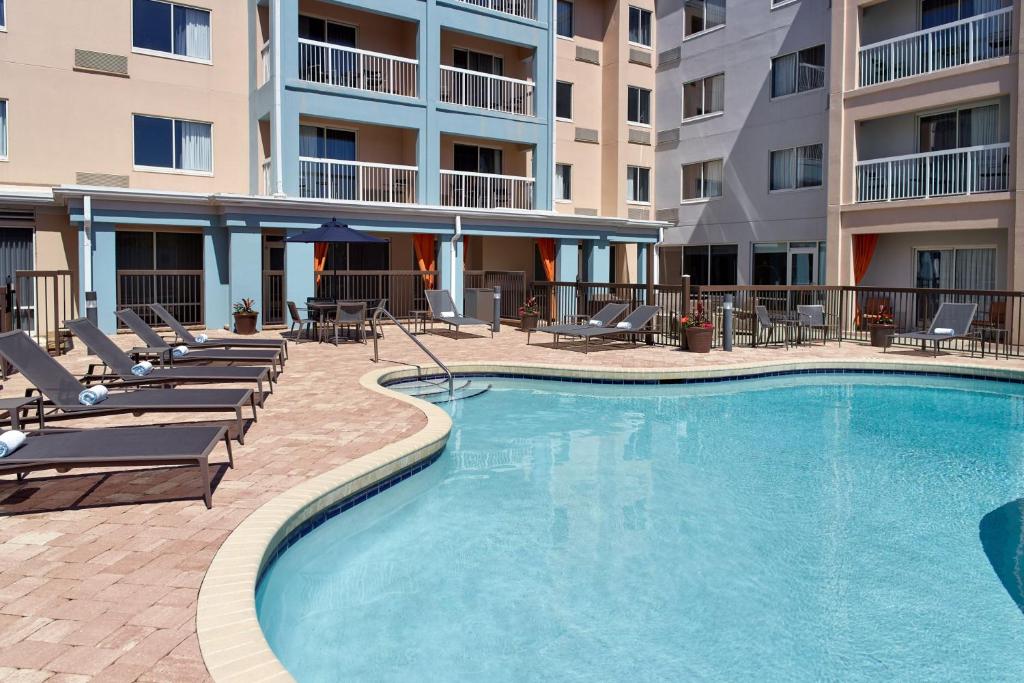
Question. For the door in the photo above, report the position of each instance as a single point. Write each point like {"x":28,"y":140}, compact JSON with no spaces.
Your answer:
{"x":803,"y":264}
{"x":273,"y":279}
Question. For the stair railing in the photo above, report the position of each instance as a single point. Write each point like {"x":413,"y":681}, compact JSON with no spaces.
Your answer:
{"x":376,"y":356}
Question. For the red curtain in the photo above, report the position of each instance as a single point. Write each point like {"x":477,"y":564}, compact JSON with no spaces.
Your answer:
{"x":863,"y":251}
{"x":546,"y":246}
{"x":319,"y":258}
{"x":426,"y":257}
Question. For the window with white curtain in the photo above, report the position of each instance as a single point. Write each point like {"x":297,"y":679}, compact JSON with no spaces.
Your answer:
{"x":170,"y":28}
{"x":565,"y":20}
{"x":955,"y":268}
{"x":638,"y":106}
{"x":563,"y":182}
{"x":967,"y":127}
{"x":798,"y":71}
{"x":702,"y":180}
{"x":640,"y":26}
{"x":173,"y":144}
{"x":638,"y":184}
{"x":3,"y":129}
{"x":796,"y":167}
{"x":704,"y":97}
{"x":703,"y":15}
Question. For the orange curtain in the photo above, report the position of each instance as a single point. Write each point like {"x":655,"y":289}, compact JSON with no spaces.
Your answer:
{"x":546,"y":245}
{"x":863,"y":251}
{"x":319,"y":258}
{"x":426,"y":257}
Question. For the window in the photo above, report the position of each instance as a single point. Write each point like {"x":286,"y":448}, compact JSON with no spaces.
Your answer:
{"x":564,"y":23}
{"x":473,"y":159}
{"x":638,"y":107}
{"x":704,"y":97}
{"x":796,"y":167}
{"x":480,"y":62}
{"x":638,"y":184}
{"x":323,"y":31}
{"x":138,"y":250}
{"x":702,"y":180}
{"x":640,"y":26}
{"x":3,"y":129}
{"x":563,"y":182}
{"x":798,"y":71}
{"x":959,"y":128}
{"x":173,"y":144}
{"x":703,"y":15}
{"x":172,"y":29}
{"x":563,"y":100}
{"x":938,"y":12}
{"x":780,"y":3}
{"x":316,"y":142}
{"x":955,"y":268}
{"x":3,"y":16}
{"x":788,"y":263}
{"x":714,"y":264}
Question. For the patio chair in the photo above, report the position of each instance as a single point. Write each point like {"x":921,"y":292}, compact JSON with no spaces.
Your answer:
{"x":61,"y":390}
{"x":637,"y":322}
{"x":68,"y":449}
{"x":304,"y":324}
{"x":765,"y":323}
{"x":443,"y":310}
{"x":347,"y":314}
{"x":187,"y":338}
{"x":813,"y":317}
{"x":120,"y":363}
{"x":951,"y":321}
{"x":155,"y":345}
{"x":608,"y":314}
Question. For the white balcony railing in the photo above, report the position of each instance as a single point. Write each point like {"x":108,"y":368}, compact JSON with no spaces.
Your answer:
{"x":985,"y":36}
{"x":265,"y":64}
{"x":486,"y":190}
{"x":520,"y":8}
{"x":267,"y":187}
{"x":357,"y":181}
{"x":967,"y":170}
{"x":347,"y":67}
{"x":486,"y":91}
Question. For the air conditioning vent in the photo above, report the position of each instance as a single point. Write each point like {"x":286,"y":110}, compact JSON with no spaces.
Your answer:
{"x":668,"y":215}
{"x":639,"y":137}
{"x":586,"y":135}
{"x":585,"y":212}
{"x":669,"y":57}
{"x":637,"y":214}
{"x":101,"y":179}
{"x":101,"y":62}
{"x":639,"y":56}
{"x":588,"y":55}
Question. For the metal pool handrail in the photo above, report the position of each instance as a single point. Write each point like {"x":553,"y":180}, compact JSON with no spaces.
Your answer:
{"x":410,"y":335}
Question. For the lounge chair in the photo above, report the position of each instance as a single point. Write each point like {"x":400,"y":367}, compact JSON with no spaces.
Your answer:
{"x":765,"y":322}
{"x":186,"y":337}
{"x":443,"y":310}
{"x":61,"y":390}
{"x":155,"y":344}
{"x":603,"y":318}
{"x":120,"y":363}
{"x":635,"y":323}
{"x":957,"y":318}
{"x":813,"y":317}
{"x":68,"y":449}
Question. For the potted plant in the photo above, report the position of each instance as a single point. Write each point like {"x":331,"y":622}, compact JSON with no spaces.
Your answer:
{"x":245,"y":317}
{"x":881,"y":328}
{"x":529,"y":314}
{"x":698,"y":330}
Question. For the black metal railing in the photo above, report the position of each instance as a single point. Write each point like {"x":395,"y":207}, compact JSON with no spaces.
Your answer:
{"x":41,"y":301}
{"x":273,"y":297}
{"x":512,"y":283}
{"x":180,"y":292}
{"x":403,"y":289}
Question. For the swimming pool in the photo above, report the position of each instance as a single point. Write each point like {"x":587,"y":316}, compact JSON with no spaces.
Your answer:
{"x":802,"y":527}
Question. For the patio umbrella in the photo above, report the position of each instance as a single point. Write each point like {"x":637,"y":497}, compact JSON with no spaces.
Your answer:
{"x":332,"y":232}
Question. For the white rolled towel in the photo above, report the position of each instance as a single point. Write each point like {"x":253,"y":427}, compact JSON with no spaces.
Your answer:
{"x":944,"y":330}
{"x":10,"y":441}
{"x":594,"y":322}
{"x":93,"y":395}
{"x":142,"y":368}
{"x":447,"y":314}
{"x":625,"y":325}
{"x":179,"y":351}
{"x":202,"y":339}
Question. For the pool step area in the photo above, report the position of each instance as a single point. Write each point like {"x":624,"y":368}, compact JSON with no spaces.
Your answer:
{"x":436,"y":391}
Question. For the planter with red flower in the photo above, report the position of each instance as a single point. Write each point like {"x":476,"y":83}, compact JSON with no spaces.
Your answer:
{"x":245,"y":317}
{"x":698,"y":330}
{"x":529,"y":315}
{"x":881,"y":328}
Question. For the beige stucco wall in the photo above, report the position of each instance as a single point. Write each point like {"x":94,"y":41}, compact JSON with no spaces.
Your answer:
{"x":516,"y":159}
{"x":517,"y":61}
{"x":64,"y":121}
{"x":375,"y":144}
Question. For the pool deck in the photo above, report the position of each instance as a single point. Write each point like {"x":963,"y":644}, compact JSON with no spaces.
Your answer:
{"x":100,"y":571}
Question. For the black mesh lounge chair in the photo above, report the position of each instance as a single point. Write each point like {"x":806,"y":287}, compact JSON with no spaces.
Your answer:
{"x":813,"y":317}
{"x":120,"y":364}
{"x":67,"y":449}
{"x":60,"y":389}
{"x":186,"y":337}
{"x":604,"y":318}
{"x":765,"y":323}
{"x":443,"y":310}
{"x":155,"y":344}
{"x":637,"y":322}
{"x":957,"y":318}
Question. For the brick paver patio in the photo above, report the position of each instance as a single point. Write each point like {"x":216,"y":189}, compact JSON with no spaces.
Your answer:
{"x":100,"y":572}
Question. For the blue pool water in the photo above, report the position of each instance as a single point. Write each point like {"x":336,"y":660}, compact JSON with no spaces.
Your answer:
{"x":815,"y":527}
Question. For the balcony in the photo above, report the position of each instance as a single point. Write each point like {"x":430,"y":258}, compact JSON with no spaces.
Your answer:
{"x":963,"y":171}
{"x":467,"y":190}
{"x":358,"y":181}
{"x":527,"y":9}
{"x":485,"y":91}
{"x":349,"y":67}
{"x":975,"y":39}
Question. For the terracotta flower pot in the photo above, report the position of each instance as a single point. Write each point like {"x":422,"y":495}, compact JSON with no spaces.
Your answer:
{"x":528,"y":322}
{"x":698,"y":339}
{"x":245,"y":323}
{"x":880,"y":334}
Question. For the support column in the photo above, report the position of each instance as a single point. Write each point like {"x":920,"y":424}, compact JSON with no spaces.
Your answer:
{"x":598,"y":255}
{"x":299,"y":284}
{"x":450,"y":258}
{"x":246,"y":265}
{"x":567,"y":261}
{"x":641,"y":263}
{"x":104,"y":274}
{"x":216,"y":287}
